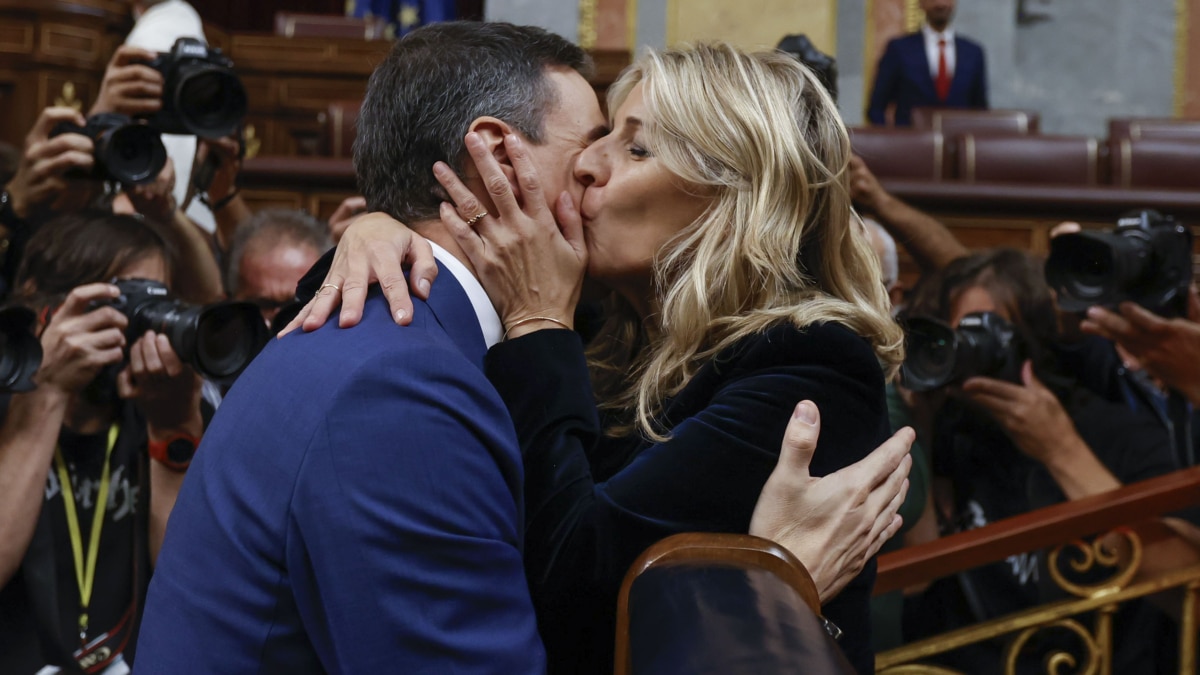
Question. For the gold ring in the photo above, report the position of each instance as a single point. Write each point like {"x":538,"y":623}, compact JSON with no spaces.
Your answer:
{"x":333,"y":286}
{"x":476,"y":218}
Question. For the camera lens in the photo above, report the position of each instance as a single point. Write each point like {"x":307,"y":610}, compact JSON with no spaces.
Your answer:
{"x":132,"y":153}
{"x":227,"y":337}
{"x":211,"y":102}
{"x":1092,"y":268}
{"x":218,"y":340}
{"x":20,"y":351}
{"x":937,"y":355}
{"x":1087,"y":270}
{"x":931,"y":349}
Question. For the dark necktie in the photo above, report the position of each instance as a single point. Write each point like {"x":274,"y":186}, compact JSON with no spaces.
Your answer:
{"x":942,"y":84}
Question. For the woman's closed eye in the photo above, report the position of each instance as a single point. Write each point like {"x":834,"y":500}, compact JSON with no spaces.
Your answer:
{"x":638,"y":152}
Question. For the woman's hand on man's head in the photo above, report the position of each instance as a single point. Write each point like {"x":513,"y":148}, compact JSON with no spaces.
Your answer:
{"x":529,"y":259}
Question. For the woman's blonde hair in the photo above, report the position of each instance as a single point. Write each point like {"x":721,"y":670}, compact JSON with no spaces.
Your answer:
{"x":760,"y":137}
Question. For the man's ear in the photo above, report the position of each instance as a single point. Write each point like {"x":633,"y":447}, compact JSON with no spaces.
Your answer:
{"x":493,"y":131}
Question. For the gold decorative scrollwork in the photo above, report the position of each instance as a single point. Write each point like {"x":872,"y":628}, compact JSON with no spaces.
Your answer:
{"x":1056,"y":661}
{"x":1100,"y":552}
{"x":253,"y":142}
{"x":67,"y":98}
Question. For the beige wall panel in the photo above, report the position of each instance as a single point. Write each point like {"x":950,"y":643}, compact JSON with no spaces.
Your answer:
{"x":752,"y":23}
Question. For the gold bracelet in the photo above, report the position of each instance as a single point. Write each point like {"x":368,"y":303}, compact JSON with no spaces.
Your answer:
{"x":533,"y":318}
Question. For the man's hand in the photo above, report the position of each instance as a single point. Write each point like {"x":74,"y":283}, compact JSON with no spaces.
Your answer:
{"x":865,"y":189}
{"x":165,"y":389}
{"x":40,"y":183}
{"x":836,"y":523}
{"x":1168,"y":349}
{"x":77,"y":342}
{"x":155,"y":200}
{"x":130,"y":87}
{"x":1029,"y":412}
{"x":345,"y":214}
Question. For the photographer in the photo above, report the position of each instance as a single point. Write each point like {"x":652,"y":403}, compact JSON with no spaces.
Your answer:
{"x":1134,"y":286}
{"x":1023,"y":438}
{"x":134,"y":88}
{"x":92,"y":458}
{"x":44,"y":182}
{"x":271,"y":252}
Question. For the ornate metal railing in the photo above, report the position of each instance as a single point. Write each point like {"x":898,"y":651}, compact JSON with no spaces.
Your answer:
{"x":1087,"y":614}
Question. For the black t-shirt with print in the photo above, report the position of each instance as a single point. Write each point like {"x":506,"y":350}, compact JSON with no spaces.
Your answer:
{"x":40,"y":606}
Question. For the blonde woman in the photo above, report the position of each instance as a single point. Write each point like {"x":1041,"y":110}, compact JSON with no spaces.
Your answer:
{"x":716,"y":213}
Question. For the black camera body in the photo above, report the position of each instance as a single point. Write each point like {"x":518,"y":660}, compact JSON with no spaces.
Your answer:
{"x":1147,"y":260}
{"x":217,"y":340}
{"x":202,"y":96}
{"x":823,"y":65}
{"x":125,"y":151}
{"x":984,"y":344}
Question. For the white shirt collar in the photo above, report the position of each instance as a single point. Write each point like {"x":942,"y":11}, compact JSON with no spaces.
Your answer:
{"x":489,"y":320}
{"x":932,"y":36}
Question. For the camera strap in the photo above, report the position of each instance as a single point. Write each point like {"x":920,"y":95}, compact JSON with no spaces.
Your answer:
{"x":85,"y":577}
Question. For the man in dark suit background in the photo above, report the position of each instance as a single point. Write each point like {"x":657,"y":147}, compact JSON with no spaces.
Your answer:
{"x":356,"y":505}
{"x":932,"y":67}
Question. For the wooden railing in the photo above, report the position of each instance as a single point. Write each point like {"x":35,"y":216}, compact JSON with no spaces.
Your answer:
{"x":1039,"y":529}
{"x":1126,"y":517}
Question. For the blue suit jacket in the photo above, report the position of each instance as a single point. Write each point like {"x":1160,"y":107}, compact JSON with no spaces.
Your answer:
{"x":903,"y":78}
{"x":355,"y":507}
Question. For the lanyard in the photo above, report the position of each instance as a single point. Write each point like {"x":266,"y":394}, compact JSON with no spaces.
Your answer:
{"x":85,"y":577}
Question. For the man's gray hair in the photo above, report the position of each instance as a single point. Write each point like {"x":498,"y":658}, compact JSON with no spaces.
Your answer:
{"x":269,"y":228}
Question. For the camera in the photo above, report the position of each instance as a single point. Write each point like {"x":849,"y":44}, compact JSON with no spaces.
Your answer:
{"x":823,"y":65}
{"x":20,"y":350}
{"x":202,"y":96}
{"x":217,"y":340}
{"x":937,"y":355}
{"x":1147,"y":259}
{"x":125,"y":151}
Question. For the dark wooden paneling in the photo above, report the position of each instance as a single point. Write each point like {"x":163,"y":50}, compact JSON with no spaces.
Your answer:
{"x":239,"y":15}
{"x":51,"y":53}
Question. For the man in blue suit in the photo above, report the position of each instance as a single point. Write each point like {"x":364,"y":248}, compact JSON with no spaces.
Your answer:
{"x":356,"y":504}
{"x":932,"y":67}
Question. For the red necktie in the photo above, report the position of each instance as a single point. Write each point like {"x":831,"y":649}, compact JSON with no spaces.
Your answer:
{"x":943,"y":77}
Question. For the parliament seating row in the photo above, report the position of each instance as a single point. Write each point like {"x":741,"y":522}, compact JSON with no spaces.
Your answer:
{"x":1131,"y":162}
{"x":953,"y":122}
{"x":1139,"y":153}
